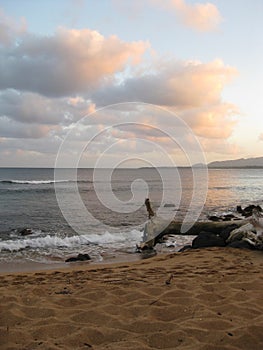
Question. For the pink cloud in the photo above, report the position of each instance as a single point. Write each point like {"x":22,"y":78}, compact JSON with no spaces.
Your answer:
{"x":193,"y":90}
{"x":199,"y":16}
{"x":219,"y":149}
{"x":69,"y":62}
{"x":214,"y":122}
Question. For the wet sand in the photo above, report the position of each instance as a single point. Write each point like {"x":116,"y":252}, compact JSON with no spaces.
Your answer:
{"x":201,"y":299}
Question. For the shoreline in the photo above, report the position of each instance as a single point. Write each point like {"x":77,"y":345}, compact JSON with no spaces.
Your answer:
{"x":28,"y":267}
{"x":33,"y":267}
{"x":199,"y":299}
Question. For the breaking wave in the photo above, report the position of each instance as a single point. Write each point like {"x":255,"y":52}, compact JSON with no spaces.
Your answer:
{"x":54,"y":241}
{"x":39,"y":182}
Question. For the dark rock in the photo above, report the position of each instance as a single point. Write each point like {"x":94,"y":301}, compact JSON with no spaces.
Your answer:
{"x":214,"y":218}
{"x":169,"y":205}
{"x":239,"y":209}
{"x":246,"y":212}
{"x":225,"y":233}
{"x":186,"y":247}
{"x":26,"y":232}
{"x":229,"y":217}
{"x":259,"y":246}
{"x":208,"y":239}
{"x":79,"y":257}
{"x":148,"y":253}
{"x":241,"y":244}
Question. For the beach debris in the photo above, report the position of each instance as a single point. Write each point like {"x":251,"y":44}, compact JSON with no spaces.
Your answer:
{"x":149,"y":208}
{"x":152,"y":233}
{"x":152,"y":229}
{"x":257,"y":221}
{"x":242,"y":233}
{"x":79,"y":257}
{"x":239,"y":233}
{"x":26,"y":232}
{"x":65,"y":291}
{"x":168,"y":281}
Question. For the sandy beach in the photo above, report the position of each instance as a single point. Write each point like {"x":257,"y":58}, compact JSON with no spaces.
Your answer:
{"x":200,"y":299}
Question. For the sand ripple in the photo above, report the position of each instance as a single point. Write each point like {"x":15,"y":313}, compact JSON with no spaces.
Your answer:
{"x":203,"y":299}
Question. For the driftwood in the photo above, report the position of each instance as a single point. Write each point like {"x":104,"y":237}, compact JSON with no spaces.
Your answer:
{"x":174,"y":228}
{"x":237,"y":233}
{"x":156,"y":228}
{"x":149,"y":208}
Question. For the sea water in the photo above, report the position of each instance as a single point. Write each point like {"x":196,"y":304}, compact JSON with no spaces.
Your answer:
{"x":102,"y":212}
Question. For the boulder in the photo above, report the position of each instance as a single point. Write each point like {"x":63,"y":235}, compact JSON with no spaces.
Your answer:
{"x":186,"y":247}
{"x":241,"y":244}
{"x":247,"y":211}
{"x":208,"y":239}
{"x":225,"y":233}
{"x":26,"y":232}
{"x":79,"y":257}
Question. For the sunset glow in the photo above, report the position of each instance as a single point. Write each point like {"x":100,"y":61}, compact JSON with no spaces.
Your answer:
{"x":62,"y":60}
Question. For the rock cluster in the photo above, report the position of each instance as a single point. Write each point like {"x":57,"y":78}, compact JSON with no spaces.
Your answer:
{"x":247,"y":236}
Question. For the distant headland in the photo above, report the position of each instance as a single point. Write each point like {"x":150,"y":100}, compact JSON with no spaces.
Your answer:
{"x":238,"y":163}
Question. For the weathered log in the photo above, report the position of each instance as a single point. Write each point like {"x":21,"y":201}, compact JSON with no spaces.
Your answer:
{"x":152,"y":236}
{"x":156,"y":228}
{"x":174,"y":228}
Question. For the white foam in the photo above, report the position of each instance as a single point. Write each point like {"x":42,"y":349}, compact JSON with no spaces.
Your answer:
{"x":109,"y":238}
{"x":33,"y":182}
{"x":51,"y":242}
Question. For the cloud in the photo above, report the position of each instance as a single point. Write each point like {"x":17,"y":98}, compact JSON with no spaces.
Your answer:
{"x":202,"y":17}
{"x":260,"y":137}
{"x":49,"y":83}
{"x":27,"y":107}
{"x":199,"y":16}
{"x":192,"y":90}
{"x":215,"y":121}
{"x":181,"y":84}
{"x":9,"y":29}
{"x":66,"y":63}
{"x":12,"y":129}
{"x":218,"y":149}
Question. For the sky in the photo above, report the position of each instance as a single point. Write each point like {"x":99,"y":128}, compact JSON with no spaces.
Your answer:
{"x":129,"y":82}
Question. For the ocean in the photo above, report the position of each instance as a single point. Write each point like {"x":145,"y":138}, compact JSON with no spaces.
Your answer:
{"x":101,"y":212}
